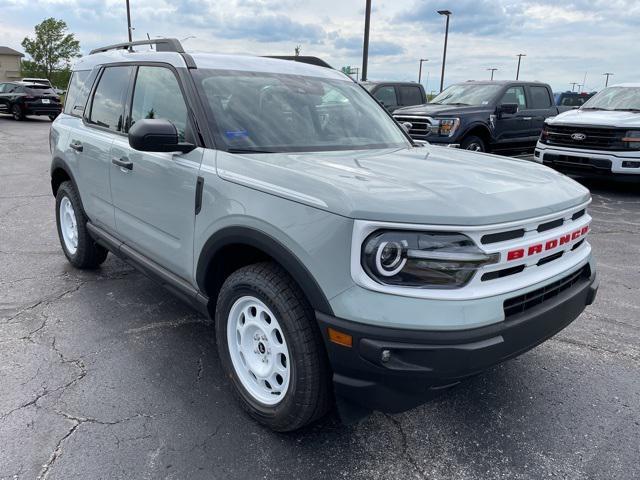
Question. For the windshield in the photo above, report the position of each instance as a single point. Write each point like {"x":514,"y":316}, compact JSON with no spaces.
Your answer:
{"x":266,"y":112}
{"x":615,"y":98}
{"x":467,"y":94}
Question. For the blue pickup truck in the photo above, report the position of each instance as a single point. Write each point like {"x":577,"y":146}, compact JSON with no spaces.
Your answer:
{"x":483,"y":116}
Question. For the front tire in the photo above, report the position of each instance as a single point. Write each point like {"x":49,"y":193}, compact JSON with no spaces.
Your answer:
{"x":271,"y":349}
{"x":17,"y":113}
{"x":77,"y":245}
{"x":473,"y":143}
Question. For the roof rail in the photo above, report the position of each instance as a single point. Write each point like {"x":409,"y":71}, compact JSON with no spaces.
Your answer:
{"x":302,"y":59}
{"x":162,"y":45}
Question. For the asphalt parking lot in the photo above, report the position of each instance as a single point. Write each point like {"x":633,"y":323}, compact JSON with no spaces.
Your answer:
{"x":105,"y":375}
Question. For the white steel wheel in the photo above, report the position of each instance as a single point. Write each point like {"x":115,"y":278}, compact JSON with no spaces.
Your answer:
{"x":68,"y":225}
{"x":258,"y":350}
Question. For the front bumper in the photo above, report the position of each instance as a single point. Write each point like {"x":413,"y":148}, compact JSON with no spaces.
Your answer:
{"x":393,"y":370}
{"x":589,"y":163}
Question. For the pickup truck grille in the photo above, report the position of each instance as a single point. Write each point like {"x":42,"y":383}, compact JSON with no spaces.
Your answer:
{"x":420,"y":126}
{"x":595,"y":138}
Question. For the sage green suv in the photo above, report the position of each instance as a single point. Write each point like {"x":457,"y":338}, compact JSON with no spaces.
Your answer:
{"x":342,"y":262}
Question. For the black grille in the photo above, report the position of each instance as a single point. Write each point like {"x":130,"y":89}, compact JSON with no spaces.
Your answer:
{"x":420,"y":126}
{"x":502,"y":236}
{"x":596,"y":138}
{"x":578,"y":164}
{"x":522,"y":303}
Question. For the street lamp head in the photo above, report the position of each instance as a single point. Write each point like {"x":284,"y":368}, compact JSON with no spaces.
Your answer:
{"x":444,"y":12}
{"x":521,"y":55}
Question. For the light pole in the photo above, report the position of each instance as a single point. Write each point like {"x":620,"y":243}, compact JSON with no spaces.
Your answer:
{"x":520,"y":55}
{"x":579,"y":85}
{"x":606,"y":82}
{"x":365,"y":48}
{"x":420,"y":71}
{"x":491,"y":70}
{"x":447,"y":14}
{"x":129,"y":21}
{"x":573,"y":85}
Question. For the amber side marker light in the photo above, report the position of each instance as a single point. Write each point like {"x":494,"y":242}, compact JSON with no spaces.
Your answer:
{"x":340,"y":338}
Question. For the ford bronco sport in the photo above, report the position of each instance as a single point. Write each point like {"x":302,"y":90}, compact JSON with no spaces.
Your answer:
{"x":341,"y":262}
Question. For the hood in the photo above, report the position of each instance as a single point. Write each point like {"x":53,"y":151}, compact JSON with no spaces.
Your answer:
{"x":597,"y":118}
{"x":431,"y":109}
{"x":430,"y":185}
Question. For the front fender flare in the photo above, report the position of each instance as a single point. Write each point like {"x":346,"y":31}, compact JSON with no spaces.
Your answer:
{"x":269,"y":245}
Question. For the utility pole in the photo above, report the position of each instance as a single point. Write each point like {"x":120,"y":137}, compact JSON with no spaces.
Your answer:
{"x":520,"y":55}
{"x":573,"y":85}
{"x":606,"y":83}
{"x":365,"y":48}
{"x":491,"y":70}
{"x":420,"y":71}
{"x":129,"y":21}
{"x":447,"y":14}
{"x":579,"y":87}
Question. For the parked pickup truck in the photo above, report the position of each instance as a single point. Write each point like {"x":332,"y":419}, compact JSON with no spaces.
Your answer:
{"x":393,"y":95}
{"x":602,"y":138}
{"x":483,"y":116}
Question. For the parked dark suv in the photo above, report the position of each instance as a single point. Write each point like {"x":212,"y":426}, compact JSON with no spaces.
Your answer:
{"x":25,"y":98}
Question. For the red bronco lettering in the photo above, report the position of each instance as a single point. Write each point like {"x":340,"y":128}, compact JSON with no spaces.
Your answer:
{"x":536,"y":248}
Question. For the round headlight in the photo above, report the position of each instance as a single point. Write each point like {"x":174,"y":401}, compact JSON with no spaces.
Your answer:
{"x":390,"y":258}
{"x":422,"y":259}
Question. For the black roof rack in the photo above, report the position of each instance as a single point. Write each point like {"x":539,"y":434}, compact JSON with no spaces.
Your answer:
{"x":302,"y":59}
{"x":162,"y":45}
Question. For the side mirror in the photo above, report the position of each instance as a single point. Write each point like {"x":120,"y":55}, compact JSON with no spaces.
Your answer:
{"x":406,"y":126}
{"x":157,"y":135}
{"x":508,"y":108}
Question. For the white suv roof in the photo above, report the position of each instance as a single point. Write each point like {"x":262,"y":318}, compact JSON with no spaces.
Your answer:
{"x":210,"y":60}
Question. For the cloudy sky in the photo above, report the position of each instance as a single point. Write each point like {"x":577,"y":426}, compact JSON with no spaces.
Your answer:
{"x":563,"y":40}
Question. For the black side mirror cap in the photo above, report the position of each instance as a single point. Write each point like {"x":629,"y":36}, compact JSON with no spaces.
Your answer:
{"x":509,"y":108}
{"x":157,"y":135}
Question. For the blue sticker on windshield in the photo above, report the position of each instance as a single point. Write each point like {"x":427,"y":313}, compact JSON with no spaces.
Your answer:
{"x":232,"y":134}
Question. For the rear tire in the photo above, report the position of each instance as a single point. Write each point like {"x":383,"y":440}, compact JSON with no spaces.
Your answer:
{"x":271,"y":349}
{"x":77,"y":245}
{"x":473,"y":143}
{"x":17,"y":113}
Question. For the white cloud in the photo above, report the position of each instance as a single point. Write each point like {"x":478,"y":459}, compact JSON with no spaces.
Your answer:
{"x":561,"y":40}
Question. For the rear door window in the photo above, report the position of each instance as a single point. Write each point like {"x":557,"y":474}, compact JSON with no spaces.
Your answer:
{"x":410,"y":95}
{"x":540,"y":97}
{"x":386,"y":95}
{"x":107,"y":106}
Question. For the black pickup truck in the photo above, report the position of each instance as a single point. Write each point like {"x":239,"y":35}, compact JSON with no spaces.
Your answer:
{"x":483,"y":116}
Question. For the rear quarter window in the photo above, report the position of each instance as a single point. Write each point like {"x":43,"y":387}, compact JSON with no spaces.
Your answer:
{"x":78,"y":92}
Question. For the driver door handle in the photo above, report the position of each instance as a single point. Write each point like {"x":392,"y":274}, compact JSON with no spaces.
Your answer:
{"x":123,"y":162}
{"x":76,"y":145}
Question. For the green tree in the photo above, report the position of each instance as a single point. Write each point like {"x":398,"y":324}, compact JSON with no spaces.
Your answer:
{"x":51,"y":50}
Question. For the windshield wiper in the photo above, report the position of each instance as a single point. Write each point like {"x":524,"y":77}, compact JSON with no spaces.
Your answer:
{"x":248,"y":150}
{"x":595,"y":108}
{"x":627,"y":109}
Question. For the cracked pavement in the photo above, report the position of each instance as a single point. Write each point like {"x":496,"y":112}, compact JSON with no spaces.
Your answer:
{"x":105,"y":375}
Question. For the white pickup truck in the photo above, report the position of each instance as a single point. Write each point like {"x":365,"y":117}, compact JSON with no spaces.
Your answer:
{"x":601,"y":138}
